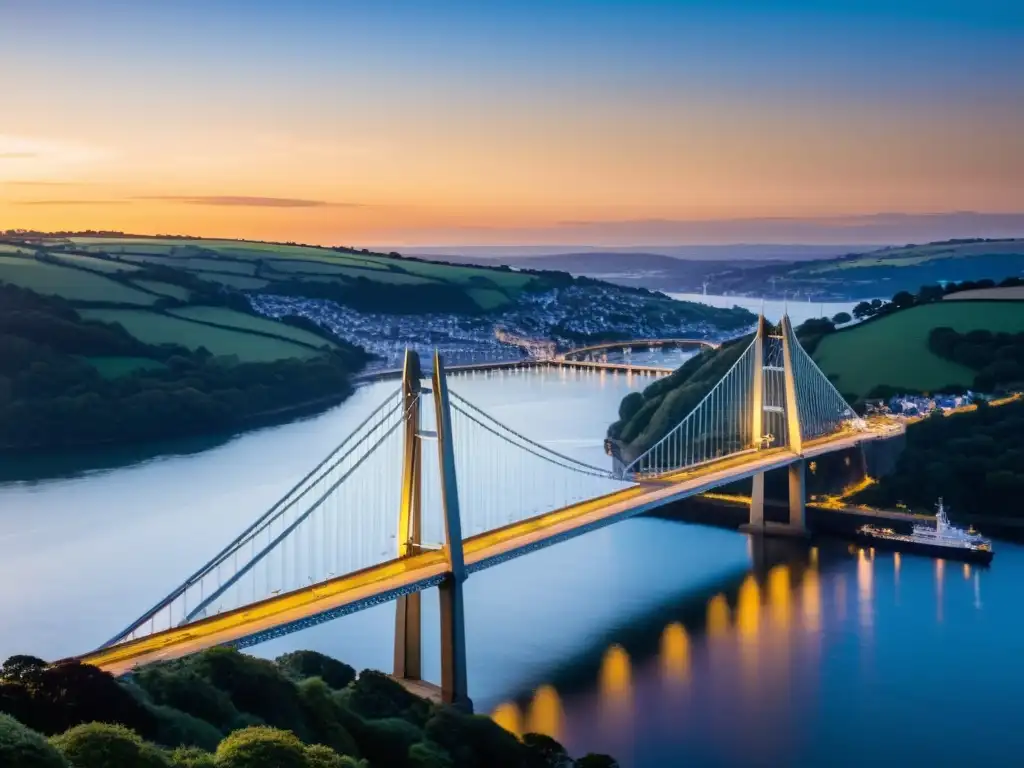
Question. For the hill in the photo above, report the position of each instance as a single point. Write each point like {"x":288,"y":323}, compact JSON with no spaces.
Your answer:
{"x":893,"y":351}
{"x":881,"y":272}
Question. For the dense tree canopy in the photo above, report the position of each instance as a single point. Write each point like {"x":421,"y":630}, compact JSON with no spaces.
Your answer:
{"x":259,"y":713}
{"x":974,"y":460}
{"x":50,"y":397}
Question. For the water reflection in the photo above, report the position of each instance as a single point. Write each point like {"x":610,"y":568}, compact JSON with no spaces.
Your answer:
{"x":865,"y":582}
{"x":616,"y":681}
{"x":545,"y":714}
{"x":508,"y":717}
{"x":751,"y":652}
{"x":717,"y":623}
{"x":675,"y":654}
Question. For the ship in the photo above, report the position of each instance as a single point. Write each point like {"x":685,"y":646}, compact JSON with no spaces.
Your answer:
{"x":943,"y":540}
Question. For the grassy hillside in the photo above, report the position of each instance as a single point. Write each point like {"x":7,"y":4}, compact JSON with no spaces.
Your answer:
{"x":302,"y":270}
{"x":893,"y":350}
{"x":884,"y":272}
{"x":1008,"y":293}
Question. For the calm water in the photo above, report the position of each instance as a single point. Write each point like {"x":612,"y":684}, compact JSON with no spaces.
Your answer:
{"x":799,"y":311}
{"x":660,"y":642}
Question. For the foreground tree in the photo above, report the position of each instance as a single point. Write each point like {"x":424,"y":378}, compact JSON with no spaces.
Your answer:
{"x":103,"y":745}
{"x":261,"y":747}
{"x":21,"y":747}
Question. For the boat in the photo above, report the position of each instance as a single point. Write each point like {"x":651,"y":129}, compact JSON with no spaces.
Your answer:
{"x":941,"y":540}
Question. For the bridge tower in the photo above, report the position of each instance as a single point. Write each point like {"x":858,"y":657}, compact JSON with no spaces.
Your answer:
{"x":757,"y":424}
{"x":794,"y":432}
{"x":794,"y":435}
{"x":408,"y":617}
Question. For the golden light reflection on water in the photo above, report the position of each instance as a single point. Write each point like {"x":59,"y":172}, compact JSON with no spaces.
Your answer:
{"x":865,"y":588}
{"x":545,"y":714}
{"x":940,"y":575}
{"x":810,"y":600}
{"x":616,"y":680}
{"x":748,"y":608}
{"x":675,"y":653}
{"x":780,"y":595}
{"x":814,"y":557}
{"x":508,"y":717}
{"x":967,"y":571}
{"x":717,"y":617}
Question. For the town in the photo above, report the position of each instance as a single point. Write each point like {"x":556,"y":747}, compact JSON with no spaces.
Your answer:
{"x":536,"y":325}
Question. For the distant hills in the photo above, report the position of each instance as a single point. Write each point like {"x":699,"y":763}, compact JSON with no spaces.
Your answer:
{"x":771,"y":271}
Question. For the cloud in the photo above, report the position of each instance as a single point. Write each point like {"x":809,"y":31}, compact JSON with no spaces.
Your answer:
{"x":18,"y":155}
{"x":243,"y":200}
{"x":70,"y":202}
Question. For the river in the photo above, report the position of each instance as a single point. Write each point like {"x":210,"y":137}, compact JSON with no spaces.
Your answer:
{"x":657,"y":641}
{"x":773,"y":309}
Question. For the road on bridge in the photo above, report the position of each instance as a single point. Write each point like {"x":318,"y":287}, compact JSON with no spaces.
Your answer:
{"x":293,"y":610}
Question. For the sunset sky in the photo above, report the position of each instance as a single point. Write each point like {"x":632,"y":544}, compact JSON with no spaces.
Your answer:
{"x":376,"y":122}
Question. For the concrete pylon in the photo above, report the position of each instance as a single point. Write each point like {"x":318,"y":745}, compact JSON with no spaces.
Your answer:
{"x":454,"y":683}
{"x":408,"y":621}
{"x":757,"y":424}
{"x":794,"y":435}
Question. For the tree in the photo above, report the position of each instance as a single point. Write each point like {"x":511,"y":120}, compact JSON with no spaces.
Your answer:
{"x":841,"y":318}
{"x":862,"y":310}
{"x":21,"y":747}
{"x":545,"y":752}
{"x":903,"y":299}
{"x":261,"y":747}
{"x":427,"y":754}
{"x":930,"y":293}
{"x":70,"y":693}
{"x":191,"y":757}
{"x":303,"y":664}
{"x":596,"y":761}
{"x":102,"y":745}
{"x":630,"y":404}
{"x":319,"y":756}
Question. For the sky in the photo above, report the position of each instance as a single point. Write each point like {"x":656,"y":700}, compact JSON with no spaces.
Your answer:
{"x":411,"y":122}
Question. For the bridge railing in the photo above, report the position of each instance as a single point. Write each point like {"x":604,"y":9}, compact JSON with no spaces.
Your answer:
{"x":264,"y":559}
{"x":719,"y":425}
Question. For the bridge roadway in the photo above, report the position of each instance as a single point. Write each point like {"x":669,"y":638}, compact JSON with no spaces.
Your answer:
{"x":639,"y":343}
{"x":642,"y":370}
{"x":295,"y":610}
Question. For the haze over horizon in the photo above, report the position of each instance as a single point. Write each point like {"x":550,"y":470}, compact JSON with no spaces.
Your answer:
{"x":516,"y":123}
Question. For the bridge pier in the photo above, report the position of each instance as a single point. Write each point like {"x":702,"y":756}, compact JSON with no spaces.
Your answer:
{"x":797,"y":495}
{"x":408,"y":615}
{"x":757,"y":502}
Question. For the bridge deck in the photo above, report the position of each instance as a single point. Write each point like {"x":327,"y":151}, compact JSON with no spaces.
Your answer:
{"x":288,"y":612}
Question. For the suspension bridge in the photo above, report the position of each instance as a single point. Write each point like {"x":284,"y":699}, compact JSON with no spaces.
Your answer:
{"x":385,"y":516}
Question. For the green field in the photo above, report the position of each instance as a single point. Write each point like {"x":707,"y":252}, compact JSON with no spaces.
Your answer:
{"x":97,"y":265}
{"x":377,"y":276}
{"x":487,"y":298}
{"x":320,"y":267}
{"x":114,"y":367}
{"x":242,"y":321}
{"x":290,"y":259}
{"x":14,"y":249}
{"x":239,"y":282}
{"x":155,"y":328}
{"x":921,"y":254}
{"x":165,"y":289}
{"x":893,"y":350}
{"x":68,"y":283}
